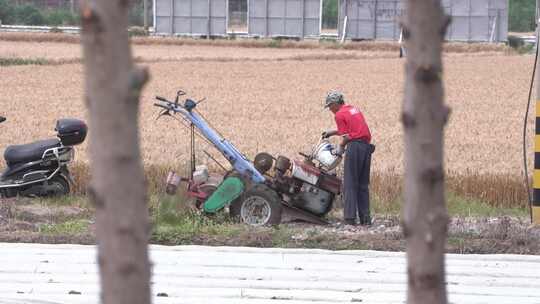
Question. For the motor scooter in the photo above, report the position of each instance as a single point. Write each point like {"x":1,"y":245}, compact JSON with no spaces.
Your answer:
{"x":40,"y":169}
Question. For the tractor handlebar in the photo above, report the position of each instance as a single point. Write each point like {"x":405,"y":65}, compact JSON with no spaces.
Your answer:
{"x":187,"y":105}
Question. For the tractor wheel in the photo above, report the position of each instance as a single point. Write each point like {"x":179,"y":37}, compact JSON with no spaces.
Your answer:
{"x":258,"y":206}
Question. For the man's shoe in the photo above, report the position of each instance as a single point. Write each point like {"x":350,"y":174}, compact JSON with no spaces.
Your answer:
{"x":365,"y":220}
{"x":350,"y":222}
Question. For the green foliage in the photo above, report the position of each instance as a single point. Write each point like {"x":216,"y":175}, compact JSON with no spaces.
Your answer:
{"x":274,"y":43}
{"x":137,"y":32}
{"x":62,"y":17}
{"x":23,"y":61}
{"x":28,"y":14}
{"x":72,"y":227}
{"x":136,"y":15}
{"x":521,"y":15}
{"x":6,"y":12}
{"x":330,"y":14}
{"x":465,"y":207}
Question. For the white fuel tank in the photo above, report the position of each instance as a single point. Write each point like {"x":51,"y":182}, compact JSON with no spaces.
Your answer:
{"x":305,"y":172}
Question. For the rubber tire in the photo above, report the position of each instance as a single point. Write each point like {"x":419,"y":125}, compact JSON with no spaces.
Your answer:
{"x":62,"y":183}
{"x":262,"y":191}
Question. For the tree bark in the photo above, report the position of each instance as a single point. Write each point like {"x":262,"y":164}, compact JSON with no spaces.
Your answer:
{"x":118,"y":189}
{"x":425,"y":218}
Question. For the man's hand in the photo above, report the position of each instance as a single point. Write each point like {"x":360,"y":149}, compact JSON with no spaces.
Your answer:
{"x":328,"y":133}
{"x":344,"y":140}
{"x":339,"y":150}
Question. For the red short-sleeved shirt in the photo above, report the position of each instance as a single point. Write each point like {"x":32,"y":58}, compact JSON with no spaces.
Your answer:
{"x":350,"y":121}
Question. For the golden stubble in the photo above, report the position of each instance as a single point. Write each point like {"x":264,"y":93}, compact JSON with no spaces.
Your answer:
{"x":276,"y":105}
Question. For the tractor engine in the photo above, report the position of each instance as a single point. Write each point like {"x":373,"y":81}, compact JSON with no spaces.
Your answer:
{"x":305,"y":186}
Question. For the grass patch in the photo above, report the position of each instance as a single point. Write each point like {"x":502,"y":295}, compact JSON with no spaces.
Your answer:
{"x":474,"y":194}
{"x":457,"y":206}
{"x":23,"y":61}
{"x":71,"y":227}
{"x":174,"y":222}
{"x":465,"y":207}
{"x":68,"y":200}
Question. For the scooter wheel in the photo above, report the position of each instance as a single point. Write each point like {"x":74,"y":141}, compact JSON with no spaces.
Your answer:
{"x":58,"y":186}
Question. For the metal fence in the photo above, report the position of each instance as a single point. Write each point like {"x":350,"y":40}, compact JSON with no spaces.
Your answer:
{"x":472,"y":20}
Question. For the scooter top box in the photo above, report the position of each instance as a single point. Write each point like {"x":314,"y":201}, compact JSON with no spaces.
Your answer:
{"x":71,"y":131}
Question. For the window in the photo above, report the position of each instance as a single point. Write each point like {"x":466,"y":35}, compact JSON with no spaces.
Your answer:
{"x":329,"y":20}
{"x":237,"y":16}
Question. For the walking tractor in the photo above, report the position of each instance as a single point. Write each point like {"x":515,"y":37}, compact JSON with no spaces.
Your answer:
{"x":257,"y":192}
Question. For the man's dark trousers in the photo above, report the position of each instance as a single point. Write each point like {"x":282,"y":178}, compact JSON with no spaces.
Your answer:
{"x":356,"y":187}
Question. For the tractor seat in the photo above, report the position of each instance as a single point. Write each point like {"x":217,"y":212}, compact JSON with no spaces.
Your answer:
{"x":30,"y":152}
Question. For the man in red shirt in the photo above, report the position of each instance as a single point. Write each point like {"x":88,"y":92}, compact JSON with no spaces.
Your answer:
{"x":356,"y":141}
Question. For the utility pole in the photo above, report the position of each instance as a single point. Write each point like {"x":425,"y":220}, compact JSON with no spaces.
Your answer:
{"x":535,"y":209}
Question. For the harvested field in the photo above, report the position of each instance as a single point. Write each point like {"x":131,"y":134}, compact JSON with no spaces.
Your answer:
{"x":64,"y":52}
{"x":276,"y":106}
{"x":378,"y":46}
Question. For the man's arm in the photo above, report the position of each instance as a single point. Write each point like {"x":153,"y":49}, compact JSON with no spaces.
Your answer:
{"x":341,"y":127}
{"x":341,"y":147}
{"x":344,"y":140}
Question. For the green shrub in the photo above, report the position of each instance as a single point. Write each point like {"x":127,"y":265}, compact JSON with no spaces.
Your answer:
{"x":521,"y":15}
{"x":330,"y":14}
{"x":137,"y":31}
{"x":28,"y":15}
{"x":6,"y":12}
{"x":61,"y":17}
{"x":136,"y":17}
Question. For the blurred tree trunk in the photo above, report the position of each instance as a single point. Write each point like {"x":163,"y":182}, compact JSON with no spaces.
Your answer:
{"x":118,"y":189}
{"x":425,"y":218}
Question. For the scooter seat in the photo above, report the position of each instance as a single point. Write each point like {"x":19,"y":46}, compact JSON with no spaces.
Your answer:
{"x":29,"y":152}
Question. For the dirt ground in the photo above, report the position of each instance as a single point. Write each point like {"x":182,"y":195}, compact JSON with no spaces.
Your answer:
{"x":30,"y":222}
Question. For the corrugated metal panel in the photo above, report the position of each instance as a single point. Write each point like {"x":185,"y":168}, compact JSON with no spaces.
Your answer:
{"x":191,"y":17}
{"x":33,"y":273}
{"x":295,"y":18}
{"x":472,"y":20}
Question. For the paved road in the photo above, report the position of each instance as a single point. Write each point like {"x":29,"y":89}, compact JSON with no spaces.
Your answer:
{"x":46,"y":274}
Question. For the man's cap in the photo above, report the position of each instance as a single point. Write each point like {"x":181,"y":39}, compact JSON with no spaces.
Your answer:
{"x":334,"y":97}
